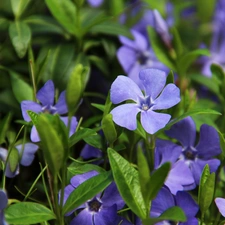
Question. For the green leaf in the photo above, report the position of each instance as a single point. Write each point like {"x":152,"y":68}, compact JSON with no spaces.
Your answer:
{"x":13,"y":159}
{"x":160,"y":50}
{"x":100,"y":63}
{"x":95,"y":140}
{"x":186,"y":60}
{"x":109,"y":129}
{"x":177,"y":43}
{"x":111,"y":28}
{"x":158,"y":179}
{"x":144,"y":176}
{"x":206,"y":189}
{"x":127,"y":181}
{"x":218,"y":71}
{"x":21,"y":90}
{"x":4,"y":124}
{"x":49,"y":132}
{"x":159,"y":5}
{"x":99,"y":106}
{"x":20,"y":35}
{"x":87,"y":190}
{"x":65,"y":13}
{"x":75,"y":88}
{"x":34,"y":116}
{"x":205,"y":9}
{"x":28,"y":213}
{"x":172,"y":214}
{"x":19,"y":6}
{"x":80,"y":135}
{"x":190,"y":113}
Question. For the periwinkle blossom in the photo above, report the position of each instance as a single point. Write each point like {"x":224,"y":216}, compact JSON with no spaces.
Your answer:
{"x":46,"y":97}
{"x":156,"y":96}
{"x":179,"y":176}
{"x":3,"y":205}
{"x":26,"y":157}
{"x":165,"y":200}
{"x":220,"y":203}
{"x":95,"y":3}
{"x":195,"y":157}
{"x":100,"y":210}
{"x":136,"y":55}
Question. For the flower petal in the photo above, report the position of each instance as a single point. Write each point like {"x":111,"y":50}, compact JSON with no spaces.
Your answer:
{"x":3,"y":154}
{"x":127,"y":57}
{"x":123,"y":88}
{"x":9,"y":173}
{"x":209,"y":142}
{"x":106,"y":216}
{"x":4,"y":200}
{"x":73,"y":125}
{"x":47,"y":93}
{"x":152,"y":121}
{"x":153,"y":80}
{"x":186,"y":202}
{"x":95,"y":3}
{"x":134,"y":74}
{"x":169,"y":97}
{"x":34,"y":137}
{"x":112,"y":196}
{"x":80,"y":178}
{"x":220,"y":203}
{"x":125,"y":115}
{"x":184,"y":131}
{"x":61,"y":106}
{"x":29,"y":105}
{"x":28,"y":153}
{"x":83,"y":218}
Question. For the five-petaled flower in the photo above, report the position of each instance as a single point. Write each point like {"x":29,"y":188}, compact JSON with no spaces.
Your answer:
{"x":157,"y":97}
{"x":46,"y":97}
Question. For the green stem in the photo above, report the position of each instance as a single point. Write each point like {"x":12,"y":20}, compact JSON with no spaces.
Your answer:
{"x":56,"y":205}
{"x":150,"y":150}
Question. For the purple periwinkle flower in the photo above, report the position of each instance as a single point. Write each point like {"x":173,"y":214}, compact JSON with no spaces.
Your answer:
{"x":162,"y":28}
{"x":180,"y":175}
{"x":136,"y":55}
{"x":95,"y":3}
{"x":156,"y":96}
{"x":192,"y":155}
{"x":102,"y":209}
{"x":165,"y":200}
{"x":26,"y":157}
{"x":220,"y":203}
{"x":46,"y":97}
{"x":3,"y":204}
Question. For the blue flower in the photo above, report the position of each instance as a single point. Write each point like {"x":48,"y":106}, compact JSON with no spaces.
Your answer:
{"x":46,"y":97}
{"x":102,"y":209}
{"x":220,"y":203}
{"x":157,"y":97}
{"x":26,"y":156}
{"x":195,"y":157}
{"x":95,"y":3}
{"x":3,"y":204}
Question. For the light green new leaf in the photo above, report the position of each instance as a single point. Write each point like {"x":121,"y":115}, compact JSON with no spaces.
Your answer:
{"x":4,"y":124}
{"x":19,"y":6}
{"x":109,"y":129}
{"x":127,"y":181}
{"x":65,"y":12}
{"x":28,"y":213}
{"x":13,"y":159}
{"x":20,"y":35}
{"x":87,"y":190}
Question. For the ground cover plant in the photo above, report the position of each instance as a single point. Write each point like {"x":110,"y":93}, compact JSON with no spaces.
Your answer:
{"x":112,"y":112}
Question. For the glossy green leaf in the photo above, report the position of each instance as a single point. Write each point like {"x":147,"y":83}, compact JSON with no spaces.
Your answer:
{"x":80,"y":135}
{"x":20,"y":35}
{"x":160,"y":50}
{"x":21,"y":89}
{"x":109,"y":129}
{"x":87,"y":190}
{"x":127,"y":181}
{"x":28,"y":213}
{"x":186,"y":60}
{"x":13,"y":159}
{"x":19,"y":6}
{"x":172,"y":214}
{"x":52,"y":145}
{"x":158,"y":178}
{"x":95,"y":141}
{"x":65,"y":13}
{"x":111,"y":28}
